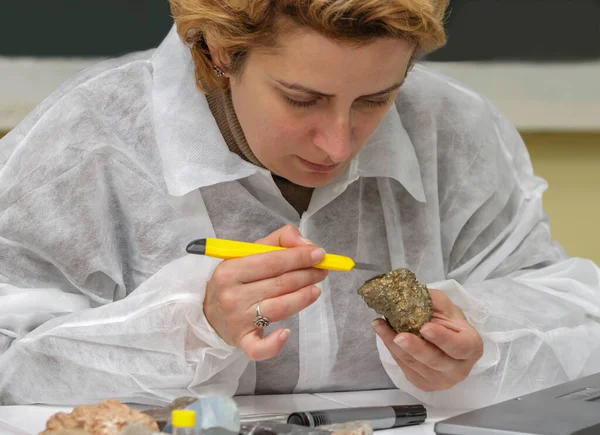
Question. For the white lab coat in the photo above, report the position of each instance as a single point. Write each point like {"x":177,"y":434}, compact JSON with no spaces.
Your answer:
{"x":104,"y":184}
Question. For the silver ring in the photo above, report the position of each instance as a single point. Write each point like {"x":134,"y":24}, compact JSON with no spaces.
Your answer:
{"x":260,"y":321}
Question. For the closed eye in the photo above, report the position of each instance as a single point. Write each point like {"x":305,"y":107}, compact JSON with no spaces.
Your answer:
{"x":310,"y":103}
{"x":298,"y":103}
{"x":377,"y":103}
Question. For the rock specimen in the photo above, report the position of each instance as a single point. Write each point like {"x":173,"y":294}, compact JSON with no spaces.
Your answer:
{"x":105,"y":418}
{"x":400,"y":298}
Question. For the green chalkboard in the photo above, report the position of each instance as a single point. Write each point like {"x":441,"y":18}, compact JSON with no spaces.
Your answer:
{"x":534,"y":30}
{"x":83,"y":28}
{"x":528,"y":30}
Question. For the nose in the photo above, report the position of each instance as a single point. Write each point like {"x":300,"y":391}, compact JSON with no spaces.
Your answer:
{"x":334,"y":137}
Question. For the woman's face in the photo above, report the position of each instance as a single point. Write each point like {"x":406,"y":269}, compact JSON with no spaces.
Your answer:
{"x":309,"y":107}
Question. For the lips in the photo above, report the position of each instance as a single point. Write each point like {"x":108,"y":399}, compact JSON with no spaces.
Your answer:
{"x":315,"y":167}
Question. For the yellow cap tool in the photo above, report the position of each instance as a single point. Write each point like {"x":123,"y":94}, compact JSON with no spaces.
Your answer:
{"x":228,"y":249}
{"x":183,"y":418}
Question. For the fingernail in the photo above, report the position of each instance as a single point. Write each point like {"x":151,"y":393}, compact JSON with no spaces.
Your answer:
{"x":317,"y":255}
{"x":375,"y":324}
{"x":316,"y":292}
{"x":400,"y":340}
{"x":306,"y":241}
{"x":427,"y":333}
{"x":283,"y":335}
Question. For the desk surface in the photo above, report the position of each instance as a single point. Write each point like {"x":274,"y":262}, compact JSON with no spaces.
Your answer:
{"x":25,"y":420}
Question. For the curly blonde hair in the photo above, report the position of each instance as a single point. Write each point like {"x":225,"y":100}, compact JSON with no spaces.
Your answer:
{"x":237,"y":26}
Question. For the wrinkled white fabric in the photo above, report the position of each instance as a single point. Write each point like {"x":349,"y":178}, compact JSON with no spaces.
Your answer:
{"x":104,"y":184}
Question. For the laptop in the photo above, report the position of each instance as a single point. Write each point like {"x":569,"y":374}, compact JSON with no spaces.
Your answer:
{"x":572,"y":408}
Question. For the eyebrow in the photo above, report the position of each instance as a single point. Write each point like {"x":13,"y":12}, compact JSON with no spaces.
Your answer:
{"x":297,"y":87}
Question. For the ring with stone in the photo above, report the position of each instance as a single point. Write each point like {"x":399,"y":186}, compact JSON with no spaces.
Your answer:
{"x":260,"y":321}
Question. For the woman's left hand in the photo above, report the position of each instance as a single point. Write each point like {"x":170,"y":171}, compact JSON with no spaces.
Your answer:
{"x":446,"y":355}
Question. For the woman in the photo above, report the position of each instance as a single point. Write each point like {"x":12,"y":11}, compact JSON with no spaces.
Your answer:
{"x":306,"y":130}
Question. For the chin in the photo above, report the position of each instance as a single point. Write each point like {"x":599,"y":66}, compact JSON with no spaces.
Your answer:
{"x":313,"y":180}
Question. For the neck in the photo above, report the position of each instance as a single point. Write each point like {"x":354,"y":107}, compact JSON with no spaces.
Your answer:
{"x":221,"y":106}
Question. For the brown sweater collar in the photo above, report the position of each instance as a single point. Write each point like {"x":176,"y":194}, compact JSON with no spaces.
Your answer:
{"x":222,"y":109}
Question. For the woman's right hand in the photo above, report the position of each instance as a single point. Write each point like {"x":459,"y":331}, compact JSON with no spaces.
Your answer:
{"x":282,"y":282}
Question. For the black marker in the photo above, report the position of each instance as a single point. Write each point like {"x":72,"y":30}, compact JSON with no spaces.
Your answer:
{"x":382,"y":417}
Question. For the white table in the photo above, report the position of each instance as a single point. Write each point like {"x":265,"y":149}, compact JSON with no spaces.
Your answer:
{"x":26,"y":420}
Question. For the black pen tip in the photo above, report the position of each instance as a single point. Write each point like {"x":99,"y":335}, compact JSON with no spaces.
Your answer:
{"x":197,"y":247}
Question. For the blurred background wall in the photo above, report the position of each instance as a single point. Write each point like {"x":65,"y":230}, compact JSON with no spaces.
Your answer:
{"x":537,"y":60}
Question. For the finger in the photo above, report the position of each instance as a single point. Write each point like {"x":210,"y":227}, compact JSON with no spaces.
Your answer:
{"x":282,"y":307}
{"x":413,"y":377}
{"x":258,"y":348}
{"x":426,"y":353}
{"x":281,"y":285}
{"x":443,"y":304}
{"x":268,"y":265}
{"x":456,"y":325}
{"x":453,"y":325}
{"x":388,"y":335}
{"x":463,"y":345}
{"x":286,"y":237}
{"x":384,"y":331}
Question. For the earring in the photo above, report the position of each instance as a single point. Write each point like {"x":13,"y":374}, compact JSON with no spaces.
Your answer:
{"x":218,"y":72}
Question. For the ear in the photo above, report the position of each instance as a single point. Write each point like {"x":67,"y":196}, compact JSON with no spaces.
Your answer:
{"x":217,"y":54}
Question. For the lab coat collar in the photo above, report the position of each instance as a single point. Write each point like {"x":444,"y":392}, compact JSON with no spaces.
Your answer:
{"x":390,"y":153}
{"x":194,"y":153}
